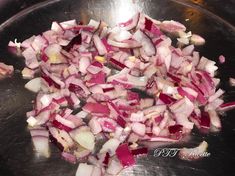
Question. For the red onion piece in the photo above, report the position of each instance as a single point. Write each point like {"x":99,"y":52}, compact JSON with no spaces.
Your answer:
{"x":30,"y":58}
{"x":172,"y":26}
{"x":69,"y":157}
{"x":130,"y":24}
{"x":140,"y":151}
{"x":106,"y":159}
{"x":205,"y":120}
{"x":96,"y":108}
{"x":99,"y":45}
{"x":221,"y":59}
{"x":124,"y":155}
{"x":175,"y":129}
{"x":121,"y":121}
{"x":166,"y":99}
{"x":75,"y":41}
{"x":146,"y":42}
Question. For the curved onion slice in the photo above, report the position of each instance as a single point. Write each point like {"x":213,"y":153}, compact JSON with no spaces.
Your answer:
{"x":193,"y":153}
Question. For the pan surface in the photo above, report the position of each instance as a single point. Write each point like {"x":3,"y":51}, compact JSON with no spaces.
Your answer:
{"x":16,"y":153}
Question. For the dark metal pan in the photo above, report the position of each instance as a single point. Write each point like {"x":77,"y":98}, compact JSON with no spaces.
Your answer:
{"x":16,"y":154}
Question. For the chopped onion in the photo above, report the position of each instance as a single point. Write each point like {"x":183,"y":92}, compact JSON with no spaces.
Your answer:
{"x":69,"y":157}
{"x":34,"y":85}
{"x":114,"y":167}
{"x":5,"y":70}
{"x":110,"y":146}
{"x":84,"y":169}
{"x":41,"y":145}
{"x":197,"y":40}
{"x":138,"y":128}
{"x":124,"y":155}
{"x":121,"y":85}
{"x":214,"y":119}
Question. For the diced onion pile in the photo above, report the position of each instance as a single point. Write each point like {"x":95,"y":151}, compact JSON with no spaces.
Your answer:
{"x":124,"y":85}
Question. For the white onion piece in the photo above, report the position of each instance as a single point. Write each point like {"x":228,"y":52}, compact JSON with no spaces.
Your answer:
{"x":34,"y":85}
{"x":146,"y":103}
{"x":86,"y":139}
{"x":138,"y":128}
{"x":110,"y":146}
{"x":216,"y":95}
{"x":41,"y":145}
{"x":97,"y":171}
{"x":39,"y":132}
{"x":207,"y":65}
{"x":30,"y":58}
{"x":125,"y":44}
{"x":188,"y":50}
{"x":64,"y":121}
{"x":95,"y":126}
{"x":122,"y":35}
{"x":232,"y":81}
{"x":39,"y":43}
{"x":114,"y":167}
{"x":55,"y":26}
{"x":28,"y":73}
{"x":161,"y":139}
{"x":172,"y":26}
{"x":164,"y":54}
{"x":32,"y":121}
{"x":137,"y":117}
{"x":214,"y":118}
{"x":137,"y":81}
{"x":93,"y":23}
{"x":84,"y":63}
{"x":27,"y":42}
{"x":62,"y":137}
{"x":130,"y":24}
{"x":68,"y":24}
{"x":197,"y":40}
{"x":84,"y":170}
{"x":99,"y":45}
{"x":82,"y":114}
{"x":146,"y":42}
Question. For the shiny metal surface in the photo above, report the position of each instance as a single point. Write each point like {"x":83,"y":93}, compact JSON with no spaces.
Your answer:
{"x":16,"y":153}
